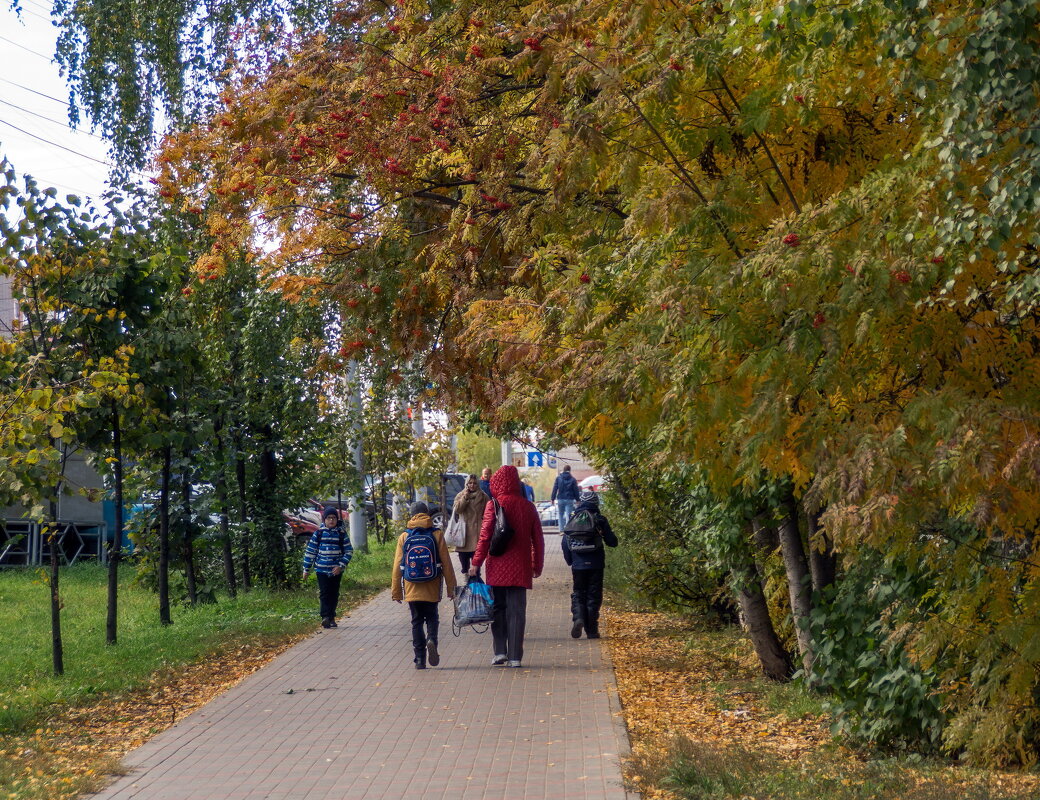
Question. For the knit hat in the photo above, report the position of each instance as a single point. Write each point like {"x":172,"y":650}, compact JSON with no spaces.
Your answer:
{"x":330,"y":511}
{"x":590,"y":497}
{"x":418,"y":507}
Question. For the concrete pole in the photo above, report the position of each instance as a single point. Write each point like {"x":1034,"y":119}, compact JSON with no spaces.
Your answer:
{"x":358,"y":520}
{"x":507,"y":452}
{"x":418,"y":431}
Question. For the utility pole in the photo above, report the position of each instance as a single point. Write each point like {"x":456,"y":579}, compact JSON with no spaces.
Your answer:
{"x":358,"y":522}
{"x":507,"y":452}
{"x":418,"y":426}
{"x":421,"y":493}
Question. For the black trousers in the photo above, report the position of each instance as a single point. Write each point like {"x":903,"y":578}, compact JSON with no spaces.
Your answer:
{"x":508,"y":621}
{"x":328,"y":593}
{"x":587,"y":597}
{"x":425,"y":623}
{"x":465,"y":558}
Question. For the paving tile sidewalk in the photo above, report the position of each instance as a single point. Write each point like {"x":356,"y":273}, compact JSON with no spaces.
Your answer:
{"x":345,"y":715}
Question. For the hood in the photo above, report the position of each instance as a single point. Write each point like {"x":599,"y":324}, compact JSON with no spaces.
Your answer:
{"x":420,"y":521}
{"x":566,"y":477}
{"x":506,"y":481}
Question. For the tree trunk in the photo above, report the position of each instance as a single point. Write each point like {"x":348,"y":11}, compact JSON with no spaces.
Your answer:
{"x":798,"y":580}
{"x":270,"y":517}
{"x":220,"y":484}
{"x":772,"y":655}
{"x":384,"y":529}
{"x":823,"y":562}
{"x":775,"y":660}
{"x":187,"y":533}
{"x":243,"y":516}
{"x":764,"y":536}
{"x":115,"y":548}
{"x":57,"y":648}
{"x":164,"y":539}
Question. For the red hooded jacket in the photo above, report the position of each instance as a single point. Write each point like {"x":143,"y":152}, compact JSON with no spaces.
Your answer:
{"x":524,"y":558}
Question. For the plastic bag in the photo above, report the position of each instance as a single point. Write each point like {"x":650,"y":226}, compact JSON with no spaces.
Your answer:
{"x":455,"y":531}
{"x":473,"y":603}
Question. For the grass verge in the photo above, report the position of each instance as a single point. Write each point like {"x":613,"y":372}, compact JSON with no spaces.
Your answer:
{"x":704,"y":725}
{"x":63,"y":736}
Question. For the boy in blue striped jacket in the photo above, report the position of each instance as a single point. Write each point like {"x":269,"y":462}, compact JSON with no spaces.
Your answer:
{"x":328,"y":552}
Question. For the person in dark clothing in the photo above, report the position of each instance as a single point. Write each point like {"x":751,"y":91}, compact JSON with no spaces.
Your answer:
{"x":485,"y":481}
{"x":565,"y":493}
{"x":328,"y":553}
{"x":528,"y":490}
{"x":587,"y":569}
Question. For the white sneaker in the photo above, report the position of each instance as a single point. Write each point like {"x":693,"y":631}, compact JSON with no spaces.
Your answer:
{"x":499,"y":661}
{"x":515,"y":664}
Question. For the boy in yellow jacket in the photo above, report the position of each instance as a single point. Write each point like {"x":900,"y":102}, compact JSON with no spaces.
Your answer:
{"x":421,"y":567}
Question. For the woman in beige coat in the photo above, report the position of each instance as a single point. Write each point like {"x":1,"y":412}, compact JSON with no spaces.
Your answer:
{"x":469,"y":505}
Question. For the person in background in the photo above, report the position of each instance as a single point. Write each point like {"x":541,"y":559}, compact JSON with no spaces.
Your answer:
{"x":328,"y":552}
{"x":422,"y":596}
{"x":511,"y":574}
{"x":587,"y":567}
{"x":469,"y":505}
{"x":528,"y":490}
{"x":565,"y":493}
{"x":485,"y":481}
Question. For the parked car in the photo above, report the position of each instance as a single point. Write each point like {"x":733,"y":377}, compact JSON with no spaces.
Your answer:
{"x":594,"y":482}
{"x":451,"y":483}
{"x":547,"y":512}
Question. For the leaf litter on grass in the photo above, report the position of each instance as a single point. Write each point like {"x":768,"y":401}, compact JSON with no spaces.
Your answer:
{"x":80,"y":748}
{"x":704,"y":725}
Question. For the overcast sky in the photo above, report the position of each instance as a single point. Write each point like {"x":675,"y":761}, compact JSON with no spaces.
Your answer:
{"x":34,"y":132}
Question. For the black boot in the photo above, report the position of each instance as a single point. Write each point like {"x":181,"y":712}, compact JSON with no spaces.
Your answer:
{"x":420,"y":657}
{"x":592,"y":623}
{"x":577,"y":616}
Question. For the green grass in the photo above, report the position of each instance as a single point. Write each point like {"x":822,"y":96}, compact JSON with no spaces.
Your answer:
{"x":30,"y":693}
{"x":697,"y":771}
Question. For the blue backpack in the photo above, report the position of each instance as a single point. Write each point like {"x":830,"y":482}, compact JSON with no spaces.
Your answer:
{"x":420,"y":561}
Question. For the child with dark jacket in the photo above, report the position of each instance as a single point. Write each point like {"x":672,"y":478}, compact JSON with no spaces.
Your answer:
{"x":422,"y":596}
{"x":587,"y":568}
{"x":328,"y":553}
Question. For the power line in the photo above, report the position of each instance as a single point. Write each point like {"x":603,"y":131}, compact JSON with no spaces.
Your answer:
{"x":40,"y":6}
{"x":32,"y":13}
{"x":34,"y":91}
{"x":65,"y":125}
{"x":48,"y":59}
{"x":55,"y":144}
{"x":41,"y":180}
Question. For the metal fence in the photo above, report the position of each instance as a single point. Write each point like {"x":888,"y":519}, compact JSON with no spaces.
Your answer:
{"x":24,"y":543}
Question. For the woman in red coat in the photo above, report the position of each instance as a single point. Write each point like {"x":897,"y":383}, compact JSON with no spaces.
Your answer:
{"x":511,"y":573}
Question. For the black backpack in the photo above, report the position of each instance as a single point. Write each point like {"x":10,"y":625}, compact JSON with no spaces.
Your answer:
{"x":503,"y":533}
{"x":582,"y":532}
